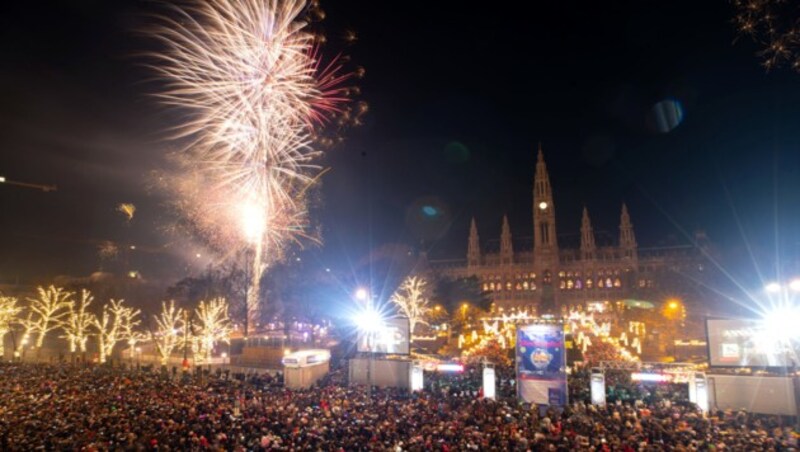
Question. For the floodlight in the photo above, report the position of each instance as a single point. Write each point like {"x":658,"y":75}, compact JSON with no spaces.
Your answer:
{"x":368,"y":320}
{"x":795,"y":285}
{"x":773,"y":287}
{"x":782,"y":322}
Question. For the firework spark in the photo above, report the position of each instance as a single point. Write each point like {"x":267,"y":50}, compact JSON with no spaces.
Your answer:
{"x":258,"y":94}
{"x":774,"y":24}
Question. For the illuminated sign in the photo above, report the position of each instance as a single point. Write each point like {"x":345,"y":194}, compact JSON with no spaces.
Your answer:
{"x":651,"y":378}
{"x":450,"y":367}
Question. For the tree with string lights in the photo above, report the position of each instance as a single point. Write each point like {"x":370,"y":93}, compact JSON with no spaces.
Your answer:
{"x":8,"y":316}
{"x":213,"y":326}
{"x":411,"y":299}
{"x":47,"y":312}
{"x":78,"y":323}
{"x":168,"y":324}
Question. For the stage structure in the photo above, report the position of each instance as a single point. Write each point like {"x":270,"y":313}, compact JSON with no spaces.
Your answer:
{"x":303,"y":368}
{"x":541,"y":364}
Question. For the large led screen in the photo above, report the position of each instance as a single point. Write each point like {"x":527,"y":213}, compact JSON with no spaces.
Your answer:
{"x":390,"y":337}
{"x":749,"y":343}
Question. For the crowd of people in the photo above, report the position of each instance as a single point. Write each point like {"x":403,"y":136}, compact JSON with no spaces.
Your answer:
{"x":71,"y":407}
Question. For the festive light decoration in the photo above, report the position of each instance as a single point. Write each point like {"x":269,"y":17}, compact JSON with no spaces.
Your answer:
{"x":108,"y":325}
{"x":127,"y":329}
{"x":166,"y":337}
{"x":258,"y":97}
{"x":214,"y":326}
{"x":78,"y":323}
{"x":8,"y":316}
{"x":411,"y":299}
{"x":47,"y":311}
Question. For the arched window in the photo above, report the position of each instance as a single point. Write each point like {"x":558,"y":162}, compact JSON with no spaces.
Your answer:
{"x":491,"y":286}
{"x":519,"y":286}
{"x":617,"y":283}
{"x":589,"y":282}
{"x":485,"y":287}
{"x":600,"y":283}
{"x":562,"y":284}
{"x":508,"y":285}
{"x":570,"y":284}
{"x":578,"y":284}
{"x":533,"y":285}
{"x":525,"y":285}
{"x":608,"y":282}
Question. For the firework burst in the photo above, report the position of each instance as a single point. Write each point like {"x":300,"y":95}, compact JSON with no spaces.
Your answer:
{"x":258,"y":97}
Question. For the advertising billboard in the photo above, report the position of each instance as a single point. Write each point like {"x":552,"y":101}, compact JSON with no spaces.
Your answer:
{"x":748,"y":343}
{"x":541,"y":364}
{"x":390,"y":337}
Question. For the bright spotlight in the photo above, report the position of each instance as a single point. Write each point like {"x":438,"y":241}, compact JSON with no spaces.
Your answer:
{"x":369,"y":320}
{"x":782,"y":322}
{"x":795,"y":285}
{"x":773,"y":287}
{"x":361,"y":294}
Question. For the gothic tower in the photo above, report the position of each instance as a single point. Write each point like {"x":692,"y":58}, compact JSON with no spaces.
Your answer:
{"x":627,"y":240}
{"x":473,"y":247}
{"x":545,"y":245}
{"x":588,"y":247}
{"x":506,"y":248}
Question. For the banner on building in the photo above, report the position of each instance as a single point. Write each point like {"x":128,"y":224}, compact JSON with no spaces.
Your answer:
{"x":542,"y":364}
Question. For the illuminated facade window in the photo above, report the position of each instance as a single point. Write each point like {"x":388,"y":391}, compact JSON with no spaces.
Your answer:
{"x":485,"y":287}
{"x":560,"y":274}
{"x":578,"y":284}
{"x":519,"y":286}
{"x":570,"y":284}
{"x":600,"y":284}
{"x":617,"y":282}
{"x":589,"y":282}
{"x":608,"y":282}
{"x":525,"y":285}
{"x":533,"y":285}
{"x":562,"y":284}
{"x":508,"y":285}
{"x":642,"y":283}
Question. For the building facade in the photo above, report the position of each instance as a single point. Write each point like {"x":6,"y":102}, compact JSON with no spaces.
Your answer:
{"x":549,"y":277}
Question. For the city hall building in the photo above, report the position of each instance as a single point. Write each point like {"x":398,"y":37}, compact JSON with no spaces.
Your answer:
{"x":549,"y":277}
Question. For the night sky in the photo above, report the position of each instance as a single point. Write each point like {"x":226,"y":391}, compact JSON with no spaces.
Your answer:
{"x":459,"y":97}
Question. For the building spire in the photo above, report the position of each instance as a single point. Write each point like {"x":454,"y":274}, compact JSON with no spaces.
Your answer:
{"x":545,"y":245}
{"x":627,"y":239}
{"x":473,"y":246}
{"x":540,"y":155}
{"x":588,"y":246}
{"x":506,"y":246}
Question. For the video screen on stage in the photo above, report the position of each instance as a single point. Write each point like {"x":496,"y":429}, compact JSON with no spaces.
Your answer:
{"x":389,"y":338}
{"x":748,"y":343}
